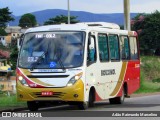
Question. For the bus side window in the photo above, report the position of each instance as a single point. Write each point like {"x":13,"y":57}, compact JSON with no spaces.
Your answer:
{"x":91,"y":49}
{"x":103,"y":47}
{"x":114,"y":47}
{"x":124,"y":47}
{"x":133,"y":48}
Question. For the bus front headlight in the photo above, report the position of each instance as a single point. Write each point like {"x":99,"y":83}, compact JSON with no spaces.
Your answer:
{"x":22,"y":81}
{"x":73,"y":80}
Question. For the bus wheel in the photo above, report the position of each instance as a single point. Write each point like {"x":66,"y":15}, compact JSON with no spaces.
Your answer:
{"x":83,"y":105}
{"x":118,"y":100}
{"x":91,"y":99}
{"x":32,"y":105}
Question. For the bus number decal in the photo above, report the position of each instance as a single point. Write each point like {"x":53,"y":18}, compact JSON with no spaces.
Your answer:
{"x":108,"y":72}
{"x":45,"y":36}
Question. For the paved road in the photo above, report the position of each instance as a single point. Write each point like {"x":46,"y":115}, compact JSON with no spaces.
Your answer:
{"x":144,"y":103}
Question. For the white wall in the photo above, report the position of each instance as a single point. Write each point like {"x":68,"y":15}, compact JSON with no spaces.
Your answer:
{"x":3,"y":41}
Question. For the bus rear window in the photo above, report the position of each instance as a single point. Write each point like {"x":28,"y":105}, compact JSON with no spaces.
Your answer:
{"x":133,"y":48}
{"x":124,"y":48}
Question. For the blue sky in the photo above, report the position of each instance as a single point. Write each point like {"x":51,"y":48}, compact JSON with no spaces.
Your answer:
{"x":19,"y":7}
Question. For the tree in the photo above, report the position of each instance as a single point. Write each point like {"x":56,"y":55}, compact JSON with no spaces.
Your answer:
{"x":13,"y":57}
{"x":27,"y":20}
{"x":149,"y":32}
{"x":61,"y":19}
{"x":5,"y":17}
{"x":2,"y":32}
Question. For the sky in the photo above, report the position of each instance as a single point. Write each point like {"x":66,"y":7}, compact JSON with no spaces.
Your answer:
{"x":20,"y":7}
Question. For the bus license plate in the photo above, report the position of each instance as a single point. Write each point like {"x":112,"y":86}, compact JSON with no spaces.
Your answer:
{"x":46,"y":93}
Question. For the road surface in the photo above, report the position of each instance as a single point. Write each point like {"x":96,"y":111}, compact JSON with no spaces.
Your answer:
{"x":135,"y":105}
{"x":144,"y":103}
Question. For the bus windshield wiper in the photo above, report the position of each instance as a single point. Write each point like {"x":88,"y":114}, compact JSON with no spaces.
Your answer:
{"x":38,"y":60}
{"x":59,"y":59}
{"x":61,"y":64}
{"x":36,"y":63}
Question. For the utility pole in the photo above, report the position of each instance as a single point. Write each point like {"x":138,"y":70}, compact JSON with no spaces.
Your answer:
{"x":68,"y":12}
{"x":127,"y":19}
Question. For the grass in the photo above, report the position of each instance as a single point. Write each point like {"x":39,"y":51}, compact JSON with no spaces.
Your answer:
{"x":156,"y":80}
{"x":148,"y":86}
{"x":150,"y":69}
{"x":9,"y":102}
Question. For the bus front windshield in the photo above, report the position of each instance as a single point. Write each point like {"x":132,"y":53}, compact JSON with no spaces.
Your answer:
{"x":52,"y":50}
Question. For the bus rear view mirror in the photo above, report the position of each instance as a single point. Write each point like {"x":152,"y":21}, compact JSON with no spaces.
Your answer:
{"x":21,"y":39}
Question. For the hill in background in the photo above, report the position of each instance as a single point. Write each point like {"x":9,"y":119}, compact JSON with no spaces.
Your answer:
{"x":82,"y":16}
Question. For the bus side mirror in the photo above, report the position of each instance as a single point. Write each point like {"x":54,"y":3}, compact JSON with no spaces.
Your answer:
{"x":20,"y":41}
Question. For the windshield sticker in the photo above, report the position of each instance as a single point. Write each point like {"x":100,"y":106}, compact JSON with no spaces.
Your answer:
{"x":32,"y":59}
{"x":52,"y":65}
{"x":45,"y":36}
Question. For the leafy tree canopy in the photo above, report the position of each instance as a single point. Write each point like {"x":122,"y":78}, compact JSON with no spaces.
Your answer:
{"x":5,"y":16}
{"x":61,"y":19}
{"x":27,"y":20}
{"x":148,"y":28}
{"x":2,"y":32}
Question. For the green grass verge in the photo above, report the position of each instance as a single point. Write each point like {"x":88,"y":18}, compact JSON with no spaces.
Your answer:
{"x":9,"y":102}
{"x":156,"y":80}
{"x":150,"y":74}
{"x":147,"y":86}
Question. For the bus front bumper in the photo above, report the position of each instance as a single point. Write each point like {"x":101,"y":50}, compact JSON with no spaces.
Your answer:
{"x":74,"y":93}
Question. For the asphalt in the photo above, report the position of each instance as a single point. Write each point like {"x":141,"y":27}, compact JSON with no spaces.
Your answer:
{"x":16,"y":109}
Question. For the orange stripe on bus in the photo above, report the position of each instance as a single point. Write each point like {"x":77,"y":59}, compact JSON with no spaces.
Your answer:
{"x":120,"y":80}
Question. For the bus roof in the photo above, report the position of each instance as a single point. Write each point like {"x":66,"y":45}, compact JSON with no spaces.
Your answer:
{"x":87,"y":26}
{"x":73,"y":27}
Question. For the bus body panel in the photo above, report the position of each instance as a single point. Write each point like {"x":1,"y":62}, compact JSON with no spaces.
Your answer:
{"x":59,"y":94}
{"x":33,"y":92}
{"x":132,"y":77}
{"x":104,"y":78}
{"x":107,"y":78}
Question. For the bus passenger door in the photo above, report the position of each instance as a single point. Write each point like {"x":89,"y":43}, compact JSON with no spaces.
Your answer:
{"x":115,"y":69}
{"x":103,"y":81}
{"x":91,"y":70}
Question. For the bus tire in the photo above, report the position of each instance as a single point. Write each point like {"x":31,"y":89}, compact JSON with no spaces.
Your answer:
{"x":83,"y":105}
{"x":118,"y":100}
{"x":91,"y":98}
{"x":32,"y":105}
